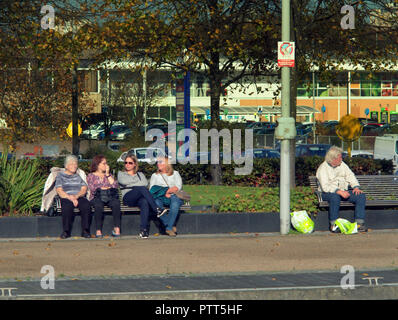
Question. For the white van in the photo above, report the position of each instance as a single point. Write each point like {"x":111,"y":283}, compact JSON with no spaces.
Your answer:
{"x":386,"y":147}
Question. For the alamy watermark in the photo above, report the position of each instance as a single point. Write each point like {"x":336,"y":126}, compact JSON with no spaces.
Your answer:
{"x":48,"y":20}
{"x":348,"y":281}
{"x":48,"y":280}
{"x":183,"y":147}
{"x":348,"y":21}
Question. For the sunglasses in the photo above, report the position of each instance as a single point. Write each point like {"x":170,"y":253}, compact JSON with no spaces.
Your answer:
{"x":129,"y":162}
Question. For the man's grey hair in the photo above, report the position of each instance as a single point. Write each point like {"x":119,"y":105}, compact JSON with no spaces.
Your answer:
{"x":333,"y":153}
{"x":69,"y":158}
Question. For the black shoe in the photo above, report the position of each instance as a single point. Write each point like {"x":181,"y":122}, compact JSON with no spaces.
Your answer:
{"x":115,"y":235}
{"x":362,"y":228}
{"x":161,"y":212}
{"x":64,"y":235}
{"x":144,"y":234}
{"x":334,"y":229}
{"x":86,"y":234}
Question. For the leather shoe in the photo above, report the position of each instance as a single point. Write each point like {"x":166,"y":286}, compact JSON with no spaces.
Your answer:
{"x":86,"y":234}
{"x":64,"y":235}
{"x":171,"y":233}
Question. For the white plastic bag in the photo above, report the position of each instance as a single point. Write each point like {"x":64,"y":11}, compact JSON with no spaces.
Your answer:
{"x":302,"y":222}
{"x":345,"y":226}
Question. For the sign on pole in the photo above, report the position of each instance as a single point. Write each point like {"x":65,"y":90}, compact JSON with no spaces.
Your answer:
{"x":286,"y":53}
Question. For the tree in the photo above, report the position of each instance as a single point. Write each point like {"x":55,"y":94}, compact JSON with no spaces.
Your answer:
{"x":127,"y":99}
{"x":36,"y":83}
{"x":325,"y":47}
{"x":226,"y":40}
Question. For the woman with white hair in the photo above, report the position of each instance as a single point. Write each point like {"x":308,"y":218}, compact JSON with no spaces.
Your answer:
{"x":72,"y":190}
{"x":335,"y":178}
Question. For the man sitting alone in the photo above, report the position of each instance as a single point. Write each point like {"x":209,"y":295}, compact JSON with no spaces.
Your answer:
{"x":334,"y":178}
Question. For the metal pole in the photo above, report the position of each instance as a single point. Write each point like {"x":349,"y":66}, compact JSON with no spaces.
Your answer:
{"x":313,"y":103}
{"x":144,"y":102}
{"x":285,"y":143}
{"x":349,"y":92}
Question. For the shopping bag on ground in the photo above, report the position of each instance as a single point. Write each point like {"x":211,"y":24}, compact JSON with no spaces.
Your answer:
{"x":345,"y":226}
{"x":302,"y":222}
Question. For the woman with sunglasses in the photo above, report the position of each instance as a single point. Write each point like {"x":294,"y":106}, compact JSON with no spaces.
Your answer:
{"x":134,"y":187}
{"x":168,"y":178}
{"x":100,"y":180}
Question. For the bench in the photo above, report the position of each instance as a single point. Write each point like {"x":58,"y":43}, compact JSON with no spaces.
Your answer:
{"x":380,"y":190}
{"x":123,"y":208}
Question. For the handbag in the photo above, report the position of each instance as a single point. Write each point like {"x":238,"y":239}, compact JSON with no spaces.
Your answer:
{"x":183,"y":195}
{"x":106,"y":195}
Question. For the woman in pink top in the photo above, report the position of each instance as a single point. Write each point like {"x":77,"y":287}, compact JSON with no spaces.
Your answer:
{"x":100,"y":179}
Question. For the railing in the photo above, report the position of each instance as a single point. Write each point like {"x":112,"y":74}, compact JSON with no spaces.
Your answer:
{"x":363,"y":143}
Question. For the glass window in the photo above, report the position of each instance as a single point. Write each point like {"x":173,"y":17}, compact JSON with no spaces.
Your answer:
{"x":342,"y":91}
{"x":395,"y":89}
{"x":386,"y":88}
{"x":365,"y":88}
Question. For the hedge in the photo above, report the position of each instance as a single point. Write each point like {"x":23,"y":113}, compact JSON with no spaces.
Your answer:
{"x":265,"y":172}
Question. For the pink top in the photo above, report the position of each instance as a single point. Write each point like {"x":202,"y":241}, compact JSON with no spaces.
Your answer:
{"x":94,"y":182}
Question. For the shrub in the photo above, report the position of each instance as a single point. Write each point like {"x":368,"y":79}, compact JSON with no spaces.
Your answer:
{"x":265,"y":173}
{"x":301,"y":198}
{"x":21,"y":185}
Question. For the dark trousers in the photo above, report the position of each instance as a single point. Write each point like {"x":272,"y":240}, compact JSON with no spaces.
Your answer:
{"x":68,"y":214}
{"x":334,"y":205}
{"x":142,"y":198}
{"x":98,"y":205}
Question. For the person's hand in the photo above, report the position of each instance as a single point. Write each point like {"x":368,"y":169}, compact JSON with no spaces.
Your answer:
{"x":357,"y":191}
{"x":344,"y":194}
{"x":172,"y":190}
{"x":75,"y":202}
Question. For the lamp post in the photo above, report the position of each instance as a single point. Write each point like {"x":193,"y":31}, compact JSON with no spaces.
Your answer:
{"x":75,"y":103}
{"x":285,"y":130}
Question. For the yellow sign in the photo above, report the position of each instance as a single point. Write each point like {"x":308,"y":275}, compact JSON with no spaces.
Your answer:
{"x":69,"y":130}
{"x":349,"y":130}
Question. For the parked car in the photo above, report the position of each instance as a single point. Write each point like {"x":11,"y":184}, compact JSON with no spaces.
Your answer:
{"x":144,"y":154}
{"x":309,"y":150}
{"x":263,"y":153}
{"x":114,"y":146}
{"x":221,"y":157}
{"x":330,"y":123}
{"x":154,"y":123}
{"x":264,"y":131}
{"x":97,"y":131}
{"x":93,"y":131}
{"x":361,"y":154}
{"x":120,"y":133}
{"x":386,"y":147}
{"x":115,"y":130}
{"x":303,"y":129}
{"x":260,"y":125}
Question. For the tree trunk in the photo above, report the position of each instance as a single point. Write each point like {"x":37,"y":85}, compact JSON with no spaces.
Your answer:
{"x":215,"y":90}
{"x":75,"y":112}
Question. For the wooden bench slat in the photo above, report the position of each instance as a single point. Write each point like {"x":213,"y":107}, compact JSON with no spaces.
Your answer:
{"x":378,"y":189}
{"x":123,"y":208}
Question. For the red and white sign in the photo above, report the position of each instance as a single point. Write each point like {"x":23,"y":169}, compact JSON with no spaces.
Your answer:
{"x":286,"y":53}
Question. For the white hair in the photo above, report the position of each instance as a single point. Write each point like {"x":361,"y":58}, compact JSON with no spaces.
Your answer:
{"x":333,"y":153}
{"x":69,"y":158}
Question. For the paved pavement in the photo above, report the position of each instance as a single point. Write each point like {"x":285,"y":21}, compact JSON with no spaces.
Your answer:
{"x":200,"y":267}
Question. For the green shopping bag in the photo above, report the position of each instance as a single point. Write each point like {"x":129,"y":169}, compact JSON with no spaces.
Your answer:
{"x":302,"y":222}
{"x":345,"y":226}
